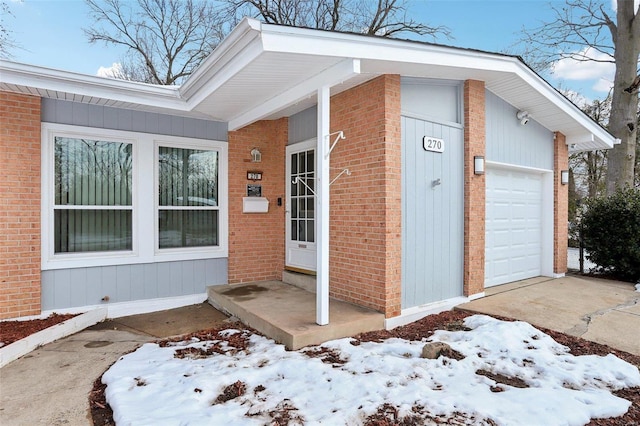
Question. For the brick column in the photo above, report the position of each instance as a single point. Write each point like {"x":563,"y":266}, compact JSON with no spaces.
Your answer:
{"x":256,"y":241}
{"x":366,"y":217}
{"x":560,"y":205}
{"x":19,"y":205}
{"x":474,"y":188}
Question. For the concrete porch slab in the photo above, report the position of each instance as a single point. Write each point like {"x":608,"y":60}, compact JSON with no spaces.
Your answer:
{"x":287,"y":314}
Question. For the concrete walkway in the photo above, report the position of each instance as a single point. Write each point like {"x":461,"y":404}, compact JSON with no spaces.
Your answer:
{"x":51,"y":385}
{"x":602,"y":311}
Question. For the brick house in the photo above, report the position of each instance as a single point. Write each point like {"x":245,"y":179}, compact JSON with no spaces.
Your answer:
{"x":423,"y":174}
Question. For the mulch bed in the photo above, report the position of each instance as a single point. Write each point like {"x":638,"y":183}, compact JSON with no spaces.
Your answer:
{"x":387,"y":415}
{"x":12,"y":331}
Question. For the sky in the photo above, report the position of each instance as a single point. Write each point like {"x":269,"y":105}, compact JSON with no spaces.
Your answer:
{"x":50,"y":34}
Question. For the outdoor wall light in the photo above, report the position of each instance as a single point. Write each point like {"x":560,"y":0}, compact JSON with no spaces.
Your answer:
{"x":478,"y":165}
{"x":523,"y":116}
{"x":564,"y":177}
{"x":256,"y":155}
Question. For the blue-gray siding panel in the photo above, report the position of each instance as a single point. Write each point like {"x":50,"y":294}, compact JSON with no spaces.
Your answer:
{"x":303,"y":125}
{"x":79,"y":114}
{"x":433,"y":100}
{"x":71,"y":288}
{"x":432,"y":216}
{"x":510,"y":142}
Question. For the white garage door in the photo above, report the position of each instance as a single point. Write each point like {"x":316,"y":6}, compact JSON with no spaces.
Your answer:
{"x":513,"y":226}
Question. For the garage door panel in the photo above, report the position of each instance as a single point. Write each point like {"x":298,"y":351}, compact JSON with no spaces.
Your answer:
{"x":513,"y":226}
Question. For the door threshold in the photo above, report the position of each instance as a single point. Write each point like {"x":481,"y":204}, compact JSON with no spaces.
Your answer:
{"x":300,"y":270}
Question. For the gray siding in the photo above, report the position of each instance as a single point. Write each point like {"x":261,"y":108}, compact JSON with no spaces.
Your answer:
{"x":303,"y":125}
{"x":433,"y":100}
{"x":432,"y":216}
{"x":70,"y":288}
{"x":103,"y":117}
{"x":510,"y":142}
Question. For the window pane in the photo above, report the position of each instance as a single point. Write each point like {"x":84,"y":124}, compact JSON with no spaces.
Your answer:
{"x":294,"y":164}
{"x":92,"y":173}
{"x":92,"y":230}
{"x":188,"y":228}
{"x":188,"y":177}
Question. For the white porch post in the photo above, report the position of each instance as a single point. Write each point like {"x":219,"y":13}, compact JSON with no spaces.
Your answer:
{"x":322,"y":208}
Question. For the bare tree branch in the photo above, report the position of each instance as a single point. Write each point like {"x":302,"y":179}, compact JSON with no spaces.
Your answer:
{"x":165,"y":39}
{"x":386,"y":18}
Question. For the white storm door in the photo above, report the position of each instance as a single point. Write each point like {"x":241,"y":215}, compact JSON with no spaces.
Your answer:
{"x":513,"y":241}
{"x":300,"y":243}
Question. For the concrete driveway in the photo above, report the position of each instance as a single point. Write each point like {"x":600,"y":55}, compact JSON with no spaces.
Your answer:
{"x":602,"y":311}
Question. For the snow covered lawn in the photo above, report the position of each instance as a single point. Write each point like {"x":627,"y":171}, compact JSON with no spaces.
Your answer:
{"x":509,"y":373}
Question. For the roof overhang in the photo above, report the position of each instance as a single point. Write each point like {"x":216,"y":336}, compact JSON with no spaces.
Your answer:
{"x":263,"y":71}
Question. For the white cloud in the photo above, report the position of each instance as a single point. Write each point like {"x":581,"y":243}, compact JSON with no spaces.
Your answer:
{"x":601,"y":73}
{"x":114,"y":71}
{"x":614,"y":5}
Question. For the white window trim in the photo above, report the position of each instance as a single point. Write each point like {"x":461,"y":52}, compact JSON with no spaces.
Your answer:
{"x":189,"y":252}
{"x":144,"y":205}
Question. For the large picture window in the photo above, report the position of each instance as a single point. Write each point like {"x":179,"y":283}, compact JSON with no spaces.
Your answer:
{"x":188,"y":210}
{"x":112,"y":197}
{"x":93,"y":195}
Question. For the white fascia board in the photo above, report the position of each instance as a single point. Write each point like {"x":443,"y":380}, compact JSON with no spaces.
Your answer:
{"x":91,"y":86}
{"x":590,"y":127}
{"x":333,"y":75}
{"x":324,"y":43}
{"x":246,"y":32}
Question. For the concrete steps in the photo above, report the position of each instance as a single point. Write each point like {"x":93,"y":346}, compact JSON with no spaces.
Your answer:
{"x":303,"y":281}
{"x":286,"y":313}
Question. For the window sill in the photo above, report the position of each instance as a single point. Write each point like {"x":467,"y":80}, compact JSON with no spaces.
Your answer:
{"x":97,"y":260}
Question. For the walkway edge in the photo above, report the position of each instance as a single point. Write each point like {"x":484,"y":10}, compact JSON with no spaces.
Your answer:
{"x":73,"y":325}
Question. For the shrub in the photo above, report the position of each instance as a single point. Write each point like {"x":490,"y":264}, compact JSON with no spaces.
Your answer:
{"x":611,"y":233}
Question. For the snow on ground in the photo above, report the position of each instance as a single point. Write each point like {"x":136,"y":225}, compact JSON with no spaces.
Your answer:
{"x":573,"y":260}
{"x":151,"y":386}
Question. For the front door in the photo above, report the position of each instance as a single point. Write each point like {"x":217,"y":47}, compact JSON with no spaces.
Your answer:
{"x":300,"y":221}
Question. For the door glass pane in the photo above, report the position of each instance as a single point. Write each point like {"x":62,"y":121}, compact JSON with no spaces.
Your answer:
{"x":302,"y":210}
{"x":310,"y":207}
{"x":294,"y":209}
{"x":310,"y":231}
{"x":310,"y":161}
{"x":301,"y":230}
{"x":302,"y":166}
{"x":294,"y":230}
{"x":294,"y":164}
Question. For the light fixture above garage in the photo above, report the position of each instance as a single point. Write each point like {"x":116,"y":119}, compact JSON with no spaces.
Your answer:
{"x":564,"y":177}
{"x":478,"y":165}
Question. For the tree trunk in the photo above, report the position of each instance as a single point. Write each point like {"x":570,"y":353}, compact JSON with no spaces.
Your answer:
{"x":624,"y":105}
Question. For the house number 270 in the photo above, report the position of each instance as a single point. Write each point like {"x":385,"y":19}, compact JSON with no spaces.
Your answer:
{"x":432,"y":144}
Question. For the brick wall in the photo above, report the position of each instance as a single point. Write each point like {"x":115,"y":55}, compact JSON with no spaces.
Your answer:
{"x":474,"y":188}
{"x":365,"y":230}
{"x":19,"y":205}
{"x":256,"y":241}
{"x":560,"y":205}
